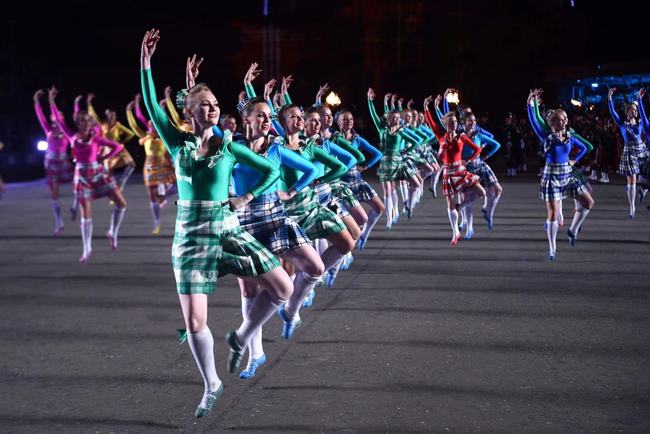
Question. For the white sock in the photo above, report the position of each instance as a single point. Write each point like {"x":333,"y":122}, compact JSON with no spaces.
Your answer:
{"x":469,"y":215}
{"x":551,"y":232}
{"x":578,"y":218}
{"x":435,"y":178}
{"x":155,"y":212}
{"x":116,"y":221}
{"x":320,"y":245}
{"x":453,"y":220}
{"x":261,"y":311}
{"x":126,"y":174}
{"x":491,"y":204}
{"x":255,"y":348}
{"x":373,"y":218}
{"x":87,"y":234}
{"x":202,"y":346}
{"x":560,"y":216}
{"x":631,"y":195}
{"x":395,"y":204}
{"x":303,"y":284}
{"x":388,"y":200}
{"x":404,"y":190}
{"x":56,"y":210}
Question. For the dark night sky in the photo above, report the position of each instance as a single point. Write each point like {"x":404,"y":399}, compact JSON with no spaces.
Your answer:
{"x":494,"y":51}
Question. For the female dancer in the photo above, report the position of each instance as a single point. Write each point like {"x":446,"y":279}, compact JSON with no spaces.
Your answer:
{"x":91,"y":180}
{"x":57,"y":165}
{"x":122,"y":165}
{"x":556,"y":177}
{"x":158,"y":171}
{"x":458,"y":186}
{"x":315,"y":219}
{"x":635,"y":155}
{"x":209,"y":241}
{"x":392,"y":165}
{"x":360,"y":188}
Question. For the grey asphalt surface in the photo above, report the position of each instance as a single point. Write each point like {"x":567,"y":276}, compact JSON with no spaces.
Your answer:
{"x":416,"y":337}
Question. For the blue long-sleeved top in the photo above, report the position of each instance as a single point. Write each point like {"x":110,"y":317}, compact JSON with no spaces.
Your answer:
{"x":557,"y":150}
{"x":644,"y":119}
{"x":245,"y":176}
{"x":333,"y":149}
{"x":484,"y":142}
{"x":630,"y":133}
{"x":363,"y":145}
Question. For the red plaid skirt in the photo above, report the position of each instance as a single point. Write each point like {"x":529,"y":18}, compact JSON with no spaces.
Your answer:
{"x":158,"y":170}
{"x":57,"y":168}
{"x":92,"y":181}
{"x":456,"y":179}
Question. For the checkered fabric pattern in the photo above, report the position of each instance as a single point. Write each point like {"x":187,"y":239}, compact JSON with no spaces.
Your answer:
{"x":327,"y":199}
{"x":360,"y":188}
{"x":393,"y":166}
{"x":158,"y":170}
{"x":557,"y":180}
{"x":633,"y":157}
{"x":266,"y":220}
{"x":315,"y":219}
{"x":456,"y":179}
{"x":92,"y":181}
{"x":483,"y":171}
{"x":341,"y":190}
{"x":58,"y":168}
{"x":209,"y":243}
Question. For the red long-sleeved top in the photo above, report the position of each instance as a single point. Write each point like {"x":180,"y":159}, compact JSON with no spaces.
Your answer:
{"x":451,"y":148}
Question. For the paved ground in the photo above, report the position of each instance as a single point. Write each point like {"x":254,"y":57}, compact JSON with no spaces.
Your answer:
{"x":416,"y":337}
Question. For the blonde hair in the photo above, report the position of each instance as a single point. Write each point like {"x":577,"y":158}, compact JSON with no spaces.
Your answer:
{"x":193,"y":91}
{"x":554,"y":114}
{"x":447,"y":116}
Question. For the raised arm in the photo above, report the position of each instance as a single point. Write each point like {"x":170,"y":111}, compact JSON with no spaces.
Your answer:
{"x":130,"y":119}
{"x":642,"y":114}
{"x":169,"y":135}
{"x":530,"y":109}
{"x":437,"y":130}
{"x":319,"y":95}
{"x":45,"y":125}
{"x":286,"y":83}
{"x":612,"y":109}
{"x":138,"y":111}
{"x":56,"y":114}
{"x":91,"y":109}
{"x":373,"y":112}
{"x":294,"y":160}
{"x":386,"y":107}
{"x":251,"y":74}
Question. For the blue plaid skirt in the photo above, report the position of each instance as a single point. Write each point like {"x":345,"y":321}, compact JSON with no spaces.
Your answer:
{"x":558,"y":181}
{"x":484,"y":172}
{"x":634,"y":159}
{"x":265,"y":219}
{"x":360,"y":188}
{"x":328,"y":200}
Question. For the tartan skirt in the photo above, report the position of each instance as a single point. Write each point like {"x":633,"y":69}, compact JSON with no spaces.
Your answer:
{"x":158,"y":170}
{"x":343,"y":192}
{"x":315,"y":219}
{"x":92,"y":181}
{"x":633,"y":158}
{"x":393,"y":166}
{"x":58,"y":167}
{"x":360,"y":188}
{"x":483,"y":171}
{"x":209,"y":243}
{"x":558,"y":180}
{"x":428,"y":155}
{"x":266,"y":220}
{"x":456,"y":179}
{"x":120,"y":160}
{"x":327,"y":199}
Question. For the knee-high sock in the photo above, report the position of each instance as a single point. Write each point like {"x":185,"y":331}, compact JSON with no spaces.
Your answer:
{"x":255,"y":348}
{"x":469,"y":217}
{"x":87,"y":234}
{"x":74,"y":206}
{"x":56,"y":210}
{"x":320,"y":245}
{"x":631,"y":195}
{"x":491,"y":201}
{"x":395,"y":204}
{"x":578,"y":218}
{"x":202,"y":347}
{"x":388,"y":200}
{"x":126,"y":174}
{"x":404,"y":190}
{"x":435,"y":178}
{"x":453,"y":220}
{"x":116,"y":221}
{"x":155,"y":212}
{"x":303,"y":284}
{"x":373,"y":218}
{"x":259,"y":313}
{"x":551,"y":232}
{"x":412,"y":197}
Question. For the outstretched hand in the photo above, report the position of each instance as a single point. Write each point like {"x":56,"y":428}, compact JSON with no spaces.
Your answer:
{"x":611,"y":92}
{"x":286,"y":82}
{"x":642,"y":92}
{"x":409,"y":105}
{"x":371,"y":94}
{"x":427,"y":101}
{"x":149,"y":42}
{"x":268,"y":88}
{"x":192,"y":70}
{"x":38,"y":94}
{"x":52,"y":92}
{"x":438,"y":99}
{"x":252,"y":73}
{"x":321,"y":91}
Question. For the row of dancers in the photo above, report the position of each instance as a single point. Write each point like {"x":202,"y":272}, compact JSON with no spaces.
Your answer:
{"x":280,"y":205}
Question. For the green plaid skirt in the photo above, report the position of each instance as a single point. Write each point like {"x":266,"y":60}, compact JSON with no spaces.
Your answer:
{"x":392,"y":167}
{"x":209,"y":243}
{"x":340,"y":190}
{"x":315,"y":219}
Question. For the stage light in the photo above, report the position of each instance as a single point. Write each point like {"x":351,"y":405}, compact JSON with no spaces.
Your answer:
{"x":333,"y":99}
{"x":452,"y":98}
{"x":576,"y":103}
{"x":41,"y":145}
{"x":594,"y":85}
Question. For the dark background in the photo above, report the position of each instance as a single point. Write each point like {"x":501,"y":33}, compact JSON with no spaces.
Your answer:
{"x":493,"y":51}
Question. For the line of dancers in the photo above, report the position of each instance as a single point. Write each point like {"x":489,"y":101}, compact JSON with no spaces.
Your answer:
{"x":279,"y":205}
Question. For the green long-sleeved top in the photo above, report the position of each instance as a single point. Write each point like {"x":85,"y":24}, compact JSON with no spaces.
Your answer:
{"x":207,"y":177}
{"x":313,"y":153}
{"x":390,"y":143}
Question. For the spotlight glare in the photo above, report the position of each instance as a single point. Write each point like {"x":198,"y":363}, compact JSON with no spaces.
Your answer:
{"x":41,"y":145}
{"x":333,"y":99}
{"x":576,"y":103}
{"x":594,"y":85}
